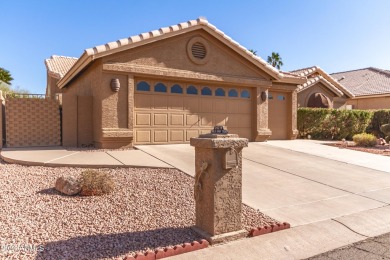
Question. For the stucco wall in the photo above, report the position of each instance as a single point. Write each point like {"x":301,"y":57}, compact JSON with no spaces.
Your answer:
{"x":304,"y":95}
{"x":32,"y":122}
{"x":370,"y":103}
{"x":87,"y":84}
{"x":51,"y":88}
{"x":1,"y":119}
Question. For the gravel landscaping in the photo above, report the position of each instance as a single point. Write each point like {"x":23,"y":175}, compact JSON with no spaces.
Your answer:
{"x":149,"y":209}
{"x":378,"y":149}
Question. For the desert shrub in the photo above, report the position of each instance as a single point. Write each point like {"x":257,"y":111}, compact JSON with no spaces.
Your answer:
{"x":333,"y":124}
{"x":365,"y":139}
{"x":95,"y":183}
{"x":379,"y":118}
{"x":385,"y":129}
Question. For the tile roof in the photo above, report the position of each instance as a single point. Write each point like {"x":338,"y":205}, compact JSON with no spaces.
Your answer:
{"x":314,"y":80}
{"x":58,"y":66}
{"x":124,"y":44}
{"x":367,"y":81}
{"x":330,"y":81}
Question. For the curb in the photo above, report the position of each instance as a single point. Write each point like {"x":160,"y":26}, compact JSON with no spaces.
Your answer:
{"x":268,"y":229}
{"x":169,"y":251}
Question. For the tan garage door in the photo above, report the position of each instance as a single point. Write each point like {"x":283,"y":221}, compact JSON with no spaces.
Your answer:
{"x":174,"y":112}
{"x":278,"y":117}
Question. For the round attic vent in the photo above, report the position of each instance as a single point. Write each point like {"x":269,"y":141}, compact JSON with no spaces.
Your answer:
{"x":198,"y":50}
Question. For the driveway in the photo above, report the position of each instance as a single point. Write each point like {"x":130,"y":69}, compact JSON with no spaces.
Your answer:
{"x":296,"y":187}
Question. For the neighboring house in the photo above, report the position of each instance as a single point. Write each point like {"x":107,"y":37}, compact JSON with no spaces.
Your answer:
{"x":321,"y":89}
{"x":171,"y":84}
{"x":57,"y":67}
{"x":370,"y":86}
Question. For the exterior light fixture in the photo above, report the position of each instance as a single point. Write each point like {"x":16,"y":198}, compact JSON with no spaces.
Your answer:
{"x":115,"y":85}
{"x":263,"y":96}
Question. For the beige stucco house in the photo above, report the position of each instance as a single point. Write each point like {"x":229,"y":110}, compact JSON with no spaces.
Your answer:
{"x":171,"y":84}
{"x":321,"y":89}
{"x":370,"y":86}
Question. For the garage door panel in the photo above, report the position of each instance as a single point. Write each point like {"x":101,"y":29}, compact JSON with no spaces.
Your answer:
{"x":177,"y":119}
{"x":175,"y":102}
{"x":191,"y":104}
{"x":143,"y":119}
{"x":161,"y":119}
{"x":233,"y":106}
{"x":143,"y":101}
{"x":220,"y":119}
{"x":190,"y":134}
{"x":160,"y":102}
{"x":177,"y":136}
{"x":278,"y":114}
{"x":143,"y":136}
{"x":244,"y":119}
{"x":245,"y":107}
{"x":206,"y":119}
{"x":233,"y":121}
{"x":192,"y":120}
{"x":160,"y":136}
{"x":206,"y":105}
{"x":220,"y":106}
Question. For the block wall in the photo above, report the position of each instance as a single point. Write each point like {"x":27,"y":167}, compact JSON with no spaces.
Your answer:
{"x":32,"y":122}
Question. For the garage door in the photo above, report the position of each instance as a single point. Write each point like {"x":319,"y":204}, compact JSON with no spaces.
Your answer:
{"x":278,"y":117}
{"x":172,"y":112}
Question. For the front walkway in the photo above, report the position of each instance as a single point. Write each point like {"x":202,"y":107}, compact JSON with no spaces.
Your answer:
{"x":61,"y":157}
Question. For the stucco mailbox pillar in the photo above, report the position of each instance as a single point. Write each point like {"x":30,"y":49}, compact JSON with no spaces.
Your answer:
{"x":218,"y":186}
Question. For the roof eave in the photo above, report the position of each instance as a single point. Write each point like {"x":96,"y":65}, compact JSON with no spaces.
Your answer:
{"x":80,"y":64}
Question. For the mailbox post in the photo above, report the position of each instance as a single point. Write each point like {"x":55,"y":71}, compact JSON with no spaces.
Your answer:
{"x":218,"y":185}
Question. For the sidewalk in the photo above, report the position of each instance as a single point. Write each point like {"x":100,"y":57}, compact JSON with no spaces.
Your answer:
{"x":61,"y":157}
{"x":314,"y":147}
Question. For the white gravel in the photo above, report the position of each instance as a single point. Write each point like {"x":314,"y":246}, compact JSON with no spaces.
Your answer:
{"x":149,"y":208}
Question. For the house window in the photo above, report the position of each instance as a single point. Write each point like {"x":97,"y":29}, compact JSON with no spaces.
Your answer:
{"x":191,"y":90}
{"x":281,"y":97}
{"x":143,"y":86}
{"x":233,"y":93}
{"x":206,"y":91}
{"x":270,"y":96}
{"x":177,"y":89}
{"x":220,"y":92}
{"x":245,"y":94}
{"x":160,"y":87}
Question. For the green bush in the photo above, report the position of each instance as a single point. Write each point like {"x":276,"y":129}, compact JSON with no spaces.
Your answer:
{"x":365,"y":140}
{"x":385,"y":129}
{"x":379,"y":118}
{"x":95,"y":183}
{"x":321,"y":123}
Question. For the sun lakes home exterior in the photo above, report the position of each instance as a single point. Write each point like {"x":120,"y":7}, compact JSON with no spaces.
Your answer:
{"x":168,"y":85}
{"x":370,"y":86}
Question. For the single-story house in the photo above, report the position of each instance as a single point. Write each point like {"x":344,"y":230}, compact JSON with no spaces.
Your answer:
{"x":168,"y":85}
{"x":321,"y":89}
{"x":370,"y":86}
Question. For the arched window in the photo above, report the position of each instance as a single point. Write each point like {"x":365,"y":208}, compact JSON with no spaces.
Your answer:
{"x":143,"y":86}
{"x":160,"y":87}
{"x":318,"y":100}
{"x":233,"y":93}
{"x":191,"y":90}
{"x":206,"y":91}
{"x":245,"y":94}
{"x":177,"y":89}
{"x":220,"y":92}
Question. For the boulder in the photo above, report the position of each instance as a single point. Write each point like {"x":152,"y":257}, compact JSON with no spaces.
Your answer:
{"x":68,"y":185}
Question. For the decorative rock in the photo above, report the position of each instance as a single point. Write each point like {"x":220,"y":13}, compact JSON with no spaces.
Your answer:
{"x":68,"y":185}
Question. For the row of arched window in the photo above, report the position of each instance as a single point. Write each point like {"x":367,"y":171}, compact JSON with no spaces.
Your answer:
{"x":192,"y":90}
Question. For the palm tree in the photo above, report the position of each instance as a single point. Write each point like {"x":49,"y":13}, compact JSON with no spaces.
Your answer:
{"x":253,"y":51}
{"x":275,"y":60}
{"x":5,"y":76}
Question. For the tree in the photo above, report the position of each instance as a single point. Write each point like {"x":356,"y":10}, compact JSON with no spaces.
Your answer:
{"x":5,"y":76}
{"x":275,"y":60}
{"x":253,"y":51}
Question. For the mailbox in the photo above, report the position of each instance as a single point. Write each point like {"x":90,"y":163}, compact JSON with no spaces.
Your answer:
{"x":230,"y":159}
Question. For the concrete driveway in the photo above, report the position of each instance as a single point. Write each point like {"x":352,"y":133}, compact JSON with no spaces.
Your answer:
{"x":296,"y":187}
